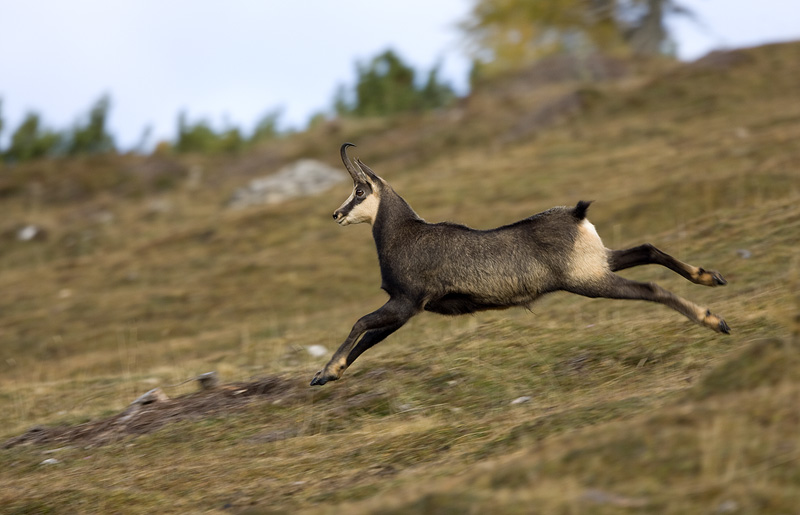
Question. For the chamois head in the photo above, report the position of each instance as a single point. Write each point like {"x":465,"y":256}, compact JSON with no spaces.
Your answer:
{"x":362,"y":204}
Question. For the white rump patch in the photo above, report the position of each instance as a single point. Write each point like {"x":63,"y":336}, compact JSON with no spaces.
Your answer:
{"x":589,"y":259}
{"x":588,"y":227}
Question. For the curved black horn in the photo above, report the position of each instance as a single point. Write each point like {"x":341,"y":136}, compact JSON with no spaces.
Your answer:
{"x":355,"y":173}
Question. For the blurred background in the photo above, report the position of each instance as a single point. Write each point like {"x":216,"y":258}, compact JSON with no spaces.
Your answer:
{"x":168,"y":172}
{"x":265,"y":66}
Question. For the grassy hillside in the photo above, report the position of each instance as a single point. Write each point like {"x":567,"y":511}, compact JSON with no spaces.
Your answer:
{"x":141,"y":278}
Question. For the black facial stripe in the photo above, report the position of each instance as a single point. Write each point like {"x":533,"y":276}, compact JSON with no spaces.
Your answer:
{"x":347,"y":208}
{"x":350,"y":205}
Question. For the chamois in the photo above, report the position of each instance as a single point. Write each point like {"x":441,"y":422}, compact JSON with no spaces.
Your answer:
{"x":452,"y":269}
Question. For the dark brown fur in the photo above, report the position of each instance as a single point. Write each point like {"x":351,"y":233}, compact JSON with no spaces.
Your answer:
{"x":452,"y":269}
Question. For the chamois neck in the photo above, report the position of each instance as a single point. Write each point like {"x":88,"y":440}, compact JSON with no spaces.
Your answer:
{"x":393,"y":210}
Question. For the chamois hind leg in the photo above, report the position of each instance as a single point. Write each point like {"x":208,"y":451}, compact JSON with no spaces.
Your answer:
{"x":647,"y":254}
{"x":377,"y":325}
{"x":612,"y":286}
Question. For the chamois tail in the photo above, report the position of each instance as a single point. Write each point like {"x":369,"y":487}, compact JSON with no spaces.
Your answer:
{"x":580,"y":210}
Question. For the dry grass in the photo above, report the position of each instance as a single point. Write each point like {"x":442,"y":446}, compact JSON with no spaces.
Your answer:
{"x":144,"y":280}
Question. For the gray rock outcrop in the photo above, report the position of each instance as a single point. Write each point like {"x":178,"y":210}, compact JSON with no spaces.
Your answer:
{"x":298,"y":179}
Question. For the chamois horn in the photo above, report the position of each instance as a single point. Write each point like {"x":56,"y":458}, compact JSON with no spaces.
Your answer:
{"x":356,"y":173}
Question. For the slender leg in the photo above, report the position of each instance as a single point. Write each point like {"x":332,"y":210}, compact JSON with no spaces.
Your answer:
{"x":647,"y":254}
{"x":616,"y":287}
{"x":369,"y":339}
{"x":377,"y":325}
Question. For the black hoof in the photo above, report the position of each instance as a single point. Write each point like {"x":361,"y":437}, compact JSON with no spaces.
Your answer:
{"x":723,"y":327}
{"x":322,"y":377}
{"x":710,"y":278}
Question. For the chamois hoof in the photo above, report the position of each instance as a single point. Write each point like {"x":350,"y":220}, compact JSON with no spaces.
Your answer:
{"x":716,"y":322}
{"x":710,"y":278}
{"x":321,"y":378}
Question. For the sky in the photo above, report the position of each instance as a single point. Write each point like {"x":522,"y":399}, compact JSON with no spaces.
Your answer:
{"x":232,"y":62}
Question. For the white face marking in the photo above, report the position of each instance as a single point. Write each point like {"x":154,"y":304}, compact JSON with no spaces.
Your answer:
{"x":364,"y":211}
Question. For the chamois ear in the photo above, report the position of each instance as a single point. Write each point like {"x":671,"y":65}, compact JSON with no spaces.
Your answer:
{"x":373,"y":177}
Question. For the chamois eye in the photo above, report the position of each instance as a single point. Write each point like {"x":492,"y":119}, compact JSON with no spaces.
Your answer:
{"x":359,"y":193}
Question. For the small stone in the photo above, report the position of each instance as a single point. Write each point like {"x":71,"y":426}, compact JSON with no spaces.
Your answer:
{"x":208,"y":380}
{"x":729,"y":506}
{"x":521,"y":400}
{"x":744,"y":253}
{"x":317,"y":350}
{"x":151,"y":397}
{"x":50,"y":461}
{"x":30,"y":232}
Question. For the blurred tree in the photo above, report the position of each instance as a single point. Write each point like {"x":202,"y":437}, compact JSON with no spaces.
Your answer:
{"x":342,"y":100}
{"x":144,"y":140}
{"x":30,"y":140}
{"x":504,"y":34}
{"x":93,"y":137}
{"x":644,"y":28}
{"x":435,"y":93}
{"x":267,"y":127}
{"x":230,"y":141}
{"x":197,"y":137}
{"x":386,"y":85}
{"x":200,"y":137}
{"x":317,"y":119}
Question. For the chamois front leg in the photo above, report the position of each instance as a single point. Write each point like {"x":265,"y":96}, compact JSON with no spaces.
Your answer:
{"x":377,"y":325}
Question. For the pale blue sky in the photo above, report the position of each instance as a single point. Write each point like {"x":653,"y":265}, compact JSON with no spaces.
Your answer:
{"x":235,"y":60}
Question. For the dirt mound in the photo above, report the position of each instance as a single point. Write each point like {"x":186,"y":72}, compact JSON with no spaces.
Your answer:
{"x":154,"y":410}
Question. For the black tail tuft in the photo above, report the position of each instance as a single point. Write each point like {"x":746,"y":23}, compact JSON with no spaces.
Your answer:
{"x":580,"y":209}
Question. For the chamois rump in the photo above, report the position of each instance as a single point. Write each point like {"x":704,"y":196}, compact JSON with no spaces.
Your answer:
{"x":452,"y":269}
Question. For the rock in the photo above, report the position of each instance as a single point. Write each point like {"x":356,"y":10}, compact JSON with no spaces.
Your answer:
{"x":151,"y":397}
{"x":728,"y":506}
{"x":134,"y":409}
{"x":50,"y":461}
{"x":301,"y":178}
{"x":521,"y":400}
{"x":31,"y":232}
{"x":208,"y":380}
{"x":317,"y":350}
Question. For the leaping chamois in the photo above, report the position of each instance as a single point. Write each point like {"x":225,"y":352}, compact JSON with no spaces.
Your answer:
{"x":452,"y":269}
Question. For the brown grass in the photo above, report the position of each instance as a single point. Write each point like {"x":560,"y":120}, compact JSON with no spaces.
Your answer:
{"x":144,"y":279}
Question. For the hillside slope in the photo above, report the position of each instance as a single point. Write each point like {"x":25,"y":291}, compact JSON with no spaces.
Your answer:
{"x":140,"y":277}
